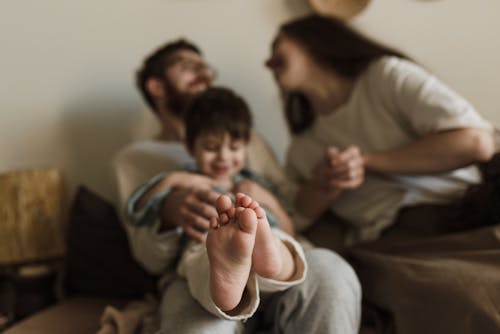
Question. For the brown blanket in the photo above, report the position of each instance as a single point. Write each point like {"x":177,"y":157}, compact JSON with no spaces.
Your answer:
{"x":443,"y":284}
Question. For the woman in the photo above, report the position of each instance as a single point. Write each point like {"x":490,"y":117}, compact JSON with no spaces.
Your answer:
{"x":373,"y":131}
{"x":381,"y":142}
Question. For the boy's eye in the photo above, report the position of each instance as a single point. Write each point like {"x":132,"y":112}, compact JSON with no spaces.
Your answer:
{"x":236,"y":146}
{"x":210,"y":147}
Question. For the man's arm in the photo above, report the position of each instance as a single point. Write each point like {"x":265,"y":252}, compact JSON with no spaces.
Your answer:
{"x":186,"y":198}
{"x":186,"y":208}
{"x":178,"y":179}
{"x":155,"y":245}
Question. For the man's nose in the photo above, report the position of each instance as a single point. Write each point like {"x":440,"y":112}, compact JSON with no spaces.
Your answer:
{"x":206,"y":71}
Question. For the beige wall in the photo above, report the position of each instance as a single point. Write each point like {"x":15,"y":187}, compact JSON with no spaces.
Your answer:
{"x":458,"y":40}
{"x":66,"y":90}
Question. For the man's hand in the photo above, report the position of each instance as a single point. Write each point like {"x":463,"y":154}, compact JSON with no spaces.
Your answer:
{"x":190,"y":209}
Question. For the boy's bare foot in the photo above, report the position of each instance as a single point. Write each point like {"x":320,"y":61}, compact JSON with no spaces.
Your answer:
{"x":266,"y":257}
{"x":230,"y":243}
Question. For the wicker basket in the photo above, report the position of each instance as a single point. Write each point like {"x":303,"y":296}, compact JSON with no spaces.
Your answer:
{"x":31,"y":216}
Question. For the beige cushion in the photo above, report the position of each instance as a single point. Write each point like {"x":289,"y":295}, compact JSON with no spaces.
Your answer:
{"x":77,"y":315}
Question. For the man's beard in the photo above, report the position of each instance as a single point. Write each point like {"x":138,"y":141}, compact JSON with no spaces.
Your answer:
{"x":176,"y":101}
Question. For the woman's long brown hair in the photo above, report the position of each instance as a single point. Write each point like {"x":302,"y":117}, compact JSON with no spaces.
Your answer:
{"x":335,"y":45}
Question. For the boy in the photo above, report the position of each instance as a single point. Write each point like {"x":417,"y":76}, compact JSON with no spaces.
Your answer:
{"x":243,"y":255}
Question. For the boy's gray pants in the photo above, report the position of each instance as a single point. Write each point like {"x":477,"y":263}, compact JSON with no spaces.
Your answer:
{"x":328,"y":301}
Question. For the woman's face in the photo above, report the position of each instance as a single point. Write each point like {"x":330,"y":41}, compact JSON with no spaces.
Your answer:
{"x":289,"y":63}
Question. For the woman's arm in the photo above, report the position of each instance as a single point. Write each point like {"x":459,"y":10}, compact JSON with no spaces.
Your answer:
{"x":285,"y":222}
{"x":265,"y":198}
{"x":449,"y":132}
{"x":338,"y":171}
{"x":435,"y":153}
{"x":313,"y":200}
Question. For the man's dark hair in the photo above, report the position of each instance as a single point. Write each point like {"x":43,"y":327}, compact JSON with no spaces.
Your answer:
{"x":154,"y":66}
{"x":217,"y":110}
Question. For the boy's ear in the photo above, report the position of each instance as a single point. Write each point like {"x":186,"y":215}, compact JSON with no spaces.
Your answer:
{"x":155,"y":88}
{"x":188,"y":148}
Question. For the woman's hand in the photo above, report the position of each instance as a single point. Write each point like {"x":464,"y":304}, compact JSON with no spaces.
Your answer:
{"x":340,"y":169}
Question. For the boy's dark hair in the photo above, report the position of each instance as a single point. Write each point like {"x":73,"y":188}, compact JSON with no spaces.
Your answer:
{"x":217,"y":110}
{"x":154,"y":66}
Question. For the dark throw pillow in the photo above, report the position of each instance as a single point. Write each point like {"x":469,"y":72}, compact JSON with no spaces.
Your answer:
{"x":99,"y":261}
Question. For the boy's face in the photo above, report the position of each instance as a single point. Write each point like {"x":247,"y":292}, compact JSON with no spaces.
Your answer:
{"x":219,"y":156}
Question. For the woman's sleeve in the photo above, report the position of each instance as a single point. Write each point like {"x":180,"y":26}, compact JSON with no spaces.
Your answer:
{"x":422,"y":102}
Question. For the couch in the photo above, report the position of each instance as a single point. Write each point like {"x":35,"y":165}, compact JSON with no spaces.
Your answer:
{"x":98,"y":270}
{"x":445,"y":283}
